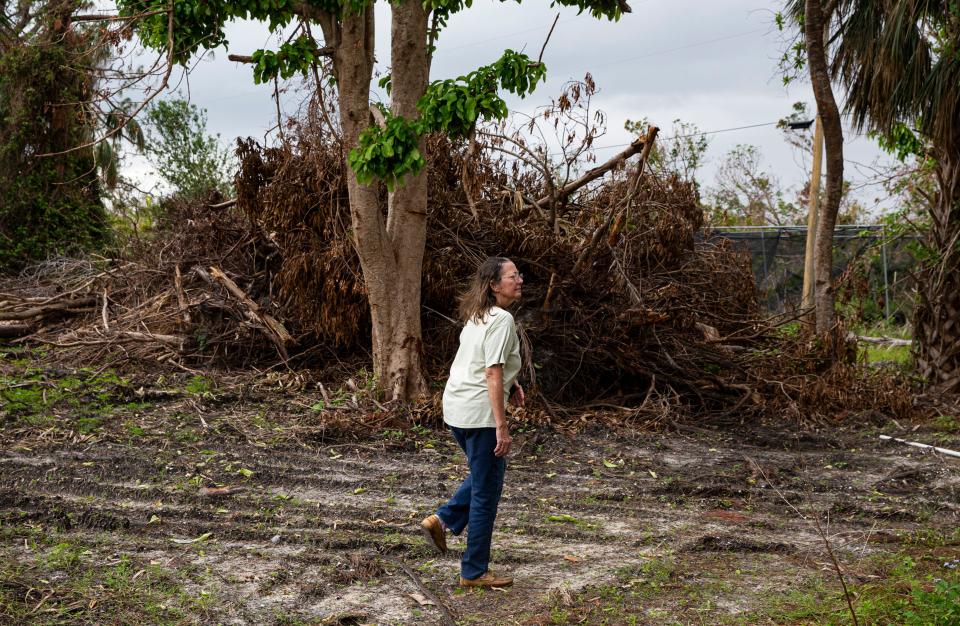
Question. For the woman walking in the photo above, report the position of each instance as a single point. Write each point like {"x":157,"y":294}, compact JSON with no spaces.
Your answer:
{"x":482,"y":377}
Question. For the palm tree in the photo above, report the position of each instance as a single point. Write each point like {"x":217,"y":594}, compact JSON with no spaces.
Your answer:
{"x":899,"y":63}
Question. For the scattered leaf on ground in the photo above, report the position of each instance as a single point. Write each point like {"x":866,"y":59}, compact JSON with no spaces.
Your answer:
{"x":202,"y":537}
{"x":421,"y":599}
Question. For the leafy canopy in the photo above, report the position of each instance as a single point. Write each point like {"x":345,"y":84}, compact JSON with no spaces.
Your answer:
{"x":387,"y":152}
{"x":451,"y":106}
{"x":190,"y":160}
{"x":48,"y":205}
{"x":293,"y":57}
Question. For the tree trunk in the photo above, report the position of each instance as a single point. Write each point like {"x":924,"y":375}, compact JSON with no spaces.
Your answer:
{"x":390,"y":248}
{"x":407,"y":210}
{"x":833,"y":142}
{"x":937,"y":316}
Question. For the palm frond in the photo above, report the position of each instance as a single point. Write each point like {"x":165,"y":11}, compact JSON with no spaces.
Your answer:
{"x":940,"y":115}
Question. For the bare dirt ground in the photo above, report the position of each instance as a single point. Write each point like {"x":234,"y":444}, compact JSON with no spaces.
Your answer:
{"x":110,"y":513}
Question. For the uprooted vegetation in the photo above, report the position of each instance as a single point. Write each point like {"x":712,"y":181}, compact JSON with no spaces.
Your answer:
{"x":627,"y":301}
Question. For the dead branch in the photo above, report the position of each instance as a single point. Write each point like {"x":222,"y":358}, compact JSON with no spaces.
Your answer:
{"x":123,"y":123}
{"x":547,"y":40}
{"x":823,"y":536}
{"x":448,"y":616}
{"x":623,"y":278}
{"x":225,"y":204}
{"x":104,"y":313}
{"x":181,"y":297}
{"x":274,"y":330}
{"x":76,"y":305}
{"x":914,"y":444}
{"x":114,"y":18}
{"x":889,"y":341}
{"x":15,"y":330}
{"x":616,"y":161}
{"x":644,"y":146}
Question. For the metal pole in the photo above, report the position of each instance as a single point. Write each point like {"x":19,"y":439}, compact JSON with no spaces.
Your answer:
{"x":763,"y":246}
{"x":886,"y":283}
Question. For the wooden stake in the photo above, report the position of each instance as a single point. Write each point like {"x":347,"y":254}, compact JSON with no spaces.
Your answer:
{"x":808,"y":263}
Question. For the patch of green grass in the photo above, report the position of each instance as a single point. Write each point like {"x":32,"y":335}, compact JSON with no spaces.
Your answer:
{"x":903,"y":590}
{"x":134,"y":429}
{"x":873,"y":353}
{"x":648,"y":577}
{"x":791,"y":329}
{"x":638,"y":594}
{"x":564,"y":518}
{"x":200,"y":386}
{"x":930,"y":538}
{"x":64,"y":585}
{"x":947,"y":424}
{"x":78,"y":400}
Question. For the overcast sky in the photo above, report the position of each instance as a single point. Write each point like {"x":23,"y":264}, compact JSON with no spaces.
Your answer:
{"x":713,"y":64}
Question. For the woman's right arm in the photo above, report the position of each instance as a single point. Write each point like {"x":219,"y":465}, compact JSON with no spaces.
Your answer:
{"x":494,"y":378}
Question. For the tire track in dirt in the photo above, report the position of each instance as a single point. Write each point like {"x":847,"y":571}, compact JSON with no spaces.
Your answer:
{"x":314,"y":532}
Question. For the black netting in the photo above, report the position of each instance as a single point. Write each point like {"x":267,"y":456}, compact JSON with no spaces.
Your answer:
{"x":873,"y":272}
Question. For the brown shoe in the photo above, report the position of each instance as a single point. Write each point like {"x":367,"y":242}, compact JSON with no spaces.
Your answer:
{"x":435,"y":533}
{"x":489,"y":579}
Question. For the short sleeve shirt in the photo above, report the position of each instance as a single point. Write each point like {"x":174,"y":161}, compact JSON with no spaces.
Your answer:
{"x":492,"y":341}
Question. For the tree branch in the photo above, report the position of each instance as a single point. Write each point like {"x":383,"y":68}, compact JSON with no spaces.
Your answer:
{"x":635,"y":147}
{"x":143,"y":105}
{"x":326,"y":51}
{"x":113,"y":18}
{"x":547,"y":40}
{"x":601,"y":231}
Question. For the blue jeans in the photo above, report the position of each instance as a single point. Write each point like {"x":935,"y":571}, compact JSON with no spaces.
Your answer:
{"x":474,"y":505}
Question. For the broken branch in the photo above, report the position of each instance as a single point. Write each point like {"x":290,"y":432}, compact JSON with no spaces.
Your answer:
{"x":274,"y":330}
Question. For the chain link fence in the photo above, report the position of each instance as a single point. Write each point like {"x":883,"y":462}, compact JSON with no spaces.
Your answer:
{"x":873,"y":272}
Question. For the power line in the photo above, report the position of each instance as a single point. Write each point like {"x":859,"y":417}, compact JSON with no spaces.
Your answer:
{"x":538,"y":29}
{"x":685,"y":47}
{"x":715,"y":132}
{"x":700,"y":134}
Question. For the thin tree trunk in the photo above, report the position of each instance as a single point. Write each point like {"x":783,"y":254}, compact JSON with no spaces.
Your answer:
{"x":937,"y":316}
{"x":400,"y":366}
{"x":353,"y":67}
{"x":833,"y":142}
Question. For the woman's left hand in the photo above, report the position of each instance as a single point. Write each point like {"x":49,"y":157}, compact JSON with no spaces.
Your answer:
{"x":517,"y":398}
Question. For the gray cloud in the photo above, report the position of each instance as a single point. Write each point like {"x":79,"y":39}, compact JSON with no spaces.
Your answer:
{"x":709,"y":63}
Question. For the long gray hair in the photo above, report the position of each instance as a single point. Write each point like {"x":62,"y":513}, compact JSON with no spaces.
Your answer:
{"x":479,"y":297}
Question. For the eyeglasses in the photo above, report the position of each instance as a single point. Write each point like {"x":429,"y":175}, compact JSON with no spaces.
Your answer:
{"x":515,"y":277}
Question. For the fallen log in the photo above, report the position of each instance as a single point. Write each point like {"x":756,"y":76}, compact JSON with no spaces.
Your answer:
{"x":888,"y":341}
{"x":76,"y":305}
{"x":272,"y":328}
{"x":15,"y":330}
{"x":173,"y":341}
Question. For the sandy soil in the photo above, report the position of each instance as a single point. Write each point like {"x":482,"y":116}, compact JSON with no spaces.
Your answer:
{"x":604,"y":526}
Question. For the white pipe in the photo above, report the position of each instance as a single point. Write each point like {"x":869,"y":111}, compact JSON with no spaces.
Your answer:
{"x":953,"y":453}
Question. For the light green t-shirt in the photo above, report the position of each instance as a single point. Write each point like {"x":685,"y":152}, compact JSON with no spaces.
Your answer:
{"x":492,"y":342}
